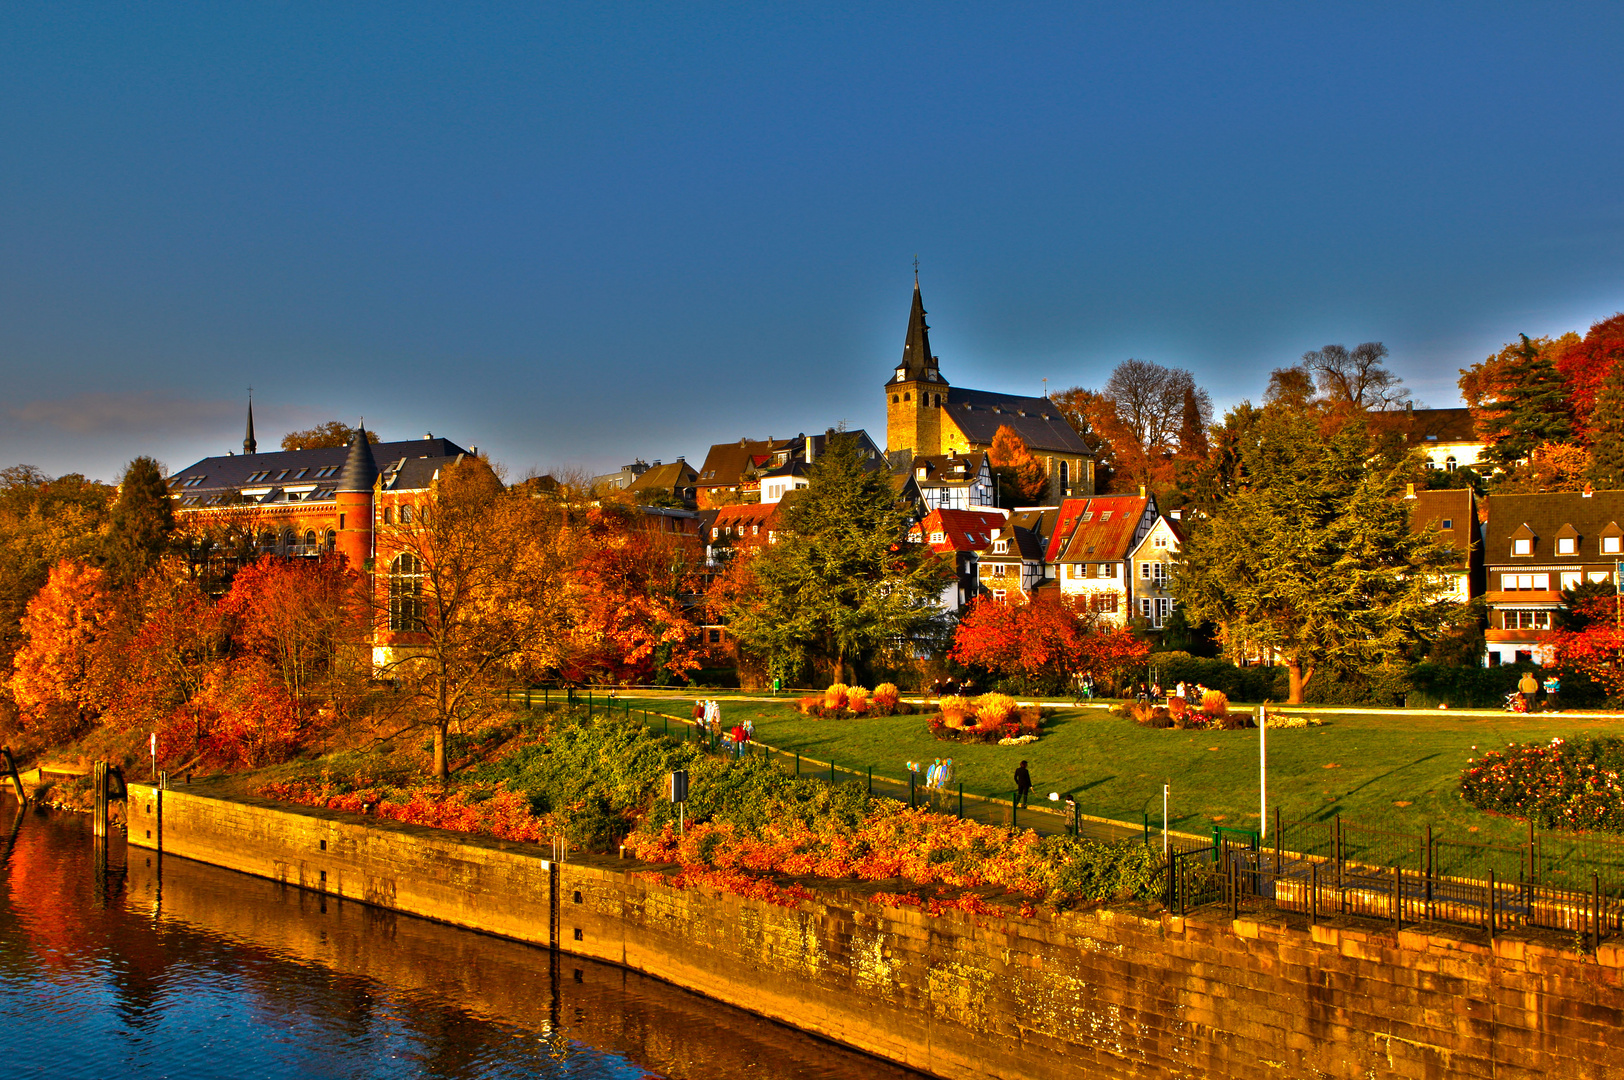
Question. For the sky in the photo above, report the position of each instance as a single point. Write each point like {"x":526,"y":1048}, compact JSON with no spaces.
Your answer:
{"x":579,"y":234}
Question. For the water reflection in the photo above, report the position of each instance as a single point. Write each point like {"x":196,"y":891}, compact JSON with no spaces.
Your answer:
{"x":166,"y":967}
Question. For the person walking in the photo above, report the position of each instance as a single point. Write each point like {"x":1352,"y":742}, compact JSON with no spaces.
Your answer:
{"x":1528,"y":686}
{"x":1023,"y":784}
{"x":1553,"y":693}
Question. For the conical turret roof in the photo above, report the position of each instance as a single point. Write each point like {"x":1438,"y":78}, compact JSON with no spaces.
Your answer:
{"x":360,"y":471}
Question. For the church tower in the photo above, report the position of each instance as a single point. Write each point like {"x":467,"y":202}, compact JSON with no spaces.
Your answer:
{"x":916,"y":391}
{"x":249,"y":443}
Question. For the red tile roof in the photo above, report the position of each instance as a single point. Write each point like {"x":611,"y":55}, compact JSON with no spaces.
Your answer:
{"x":1097,"y":529}
{"x":963,"y":530}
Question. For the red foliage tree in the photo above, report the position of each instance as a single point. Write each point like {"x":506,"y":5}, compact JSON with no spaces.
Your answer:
{"x":1583,"y":366}
{"x":1045,"y":635}
{"x":630,"y":590}
{"x":303,"y":617}
{"x":1594,"y":644}
{"x":61,"y":679}
{"x":1023,"y":475}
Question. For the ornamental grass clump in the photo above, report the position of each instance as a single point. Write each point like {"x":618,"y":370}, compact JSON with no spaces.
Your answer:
{"x":1215,"y":703}
{"x":885,"y":697}
{"x":994,"y":710}
{"x":857,"y":700}
{"x":835,"y":696}
{"x":956,"y":711}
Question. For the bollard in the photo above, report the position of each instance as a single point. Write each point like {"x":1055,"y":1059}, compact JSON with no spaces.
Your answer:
{"x":910,"y":789}
{"x":1014,"y":810}
{"x":871,"y":779}
{"x":831,"y":774}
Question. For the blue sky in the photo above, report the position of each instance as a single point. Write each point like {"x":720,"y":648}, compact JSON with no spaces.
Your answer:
{"x":581,"y":233}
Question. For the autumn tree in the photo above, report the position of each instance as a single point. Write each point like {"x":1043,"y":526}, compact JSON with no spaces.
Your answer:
{"x":630,"y":591}
{"x":1048,"y":637}
{"x":1584,"y":364}
{"x":1093,"y":417}
{"x":842,"y":581}
{"x":471,"y":596}
{"x":142,"y":521}
{"x":1148,"y":401}
{"x":302,"y":617}
{"x":1021,"y":477}
{"x":60,"y":679}
{"x":1312,"y":558}
{"x":42,"y":522}
{"x":333,"y":433}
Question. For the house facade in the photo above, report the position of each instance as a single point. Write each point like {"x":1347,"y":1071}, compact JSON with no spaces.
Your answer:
{"x":1092,"y":550}
{"x":962,"y":535}
{"x":1453,"y":513}
{"x":1013,"y":564}
{"x":1446,"y":438}
{"x":925,"y":416}
{"x":1150,"y":571}
{"x":765,"y":470}
{"x":1536,"y":546}
{"x":946,"y":481}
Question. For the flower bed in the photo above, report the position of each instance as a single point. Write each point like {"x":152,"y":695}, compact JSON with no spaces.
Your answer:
{"x":990,"y":718}
{"x":1559,"y":784}
{"x":1178,"y":716}
{"x":842,"y":702}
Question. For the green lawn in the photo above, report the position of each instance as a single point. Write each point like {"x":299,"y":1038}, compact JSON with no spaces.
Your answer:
{"x":1397,"y":772}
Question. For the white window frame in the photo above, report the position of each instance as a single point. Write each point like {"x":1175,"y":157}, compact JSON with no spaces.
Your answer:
{"x":1612,"y":545}
{"x":1567,"y":545}
{"x":1522,"y":545}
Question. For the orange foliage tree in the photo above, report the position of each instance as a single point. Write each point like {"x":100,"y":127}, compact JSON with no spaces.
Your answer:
{"x":629,"y":587}
{"x":61,"y":678}
{"x":303,"y":617}
{"x":1023,"y":475}
{"x":1046,"y":636}
{"x":1584,"y":364}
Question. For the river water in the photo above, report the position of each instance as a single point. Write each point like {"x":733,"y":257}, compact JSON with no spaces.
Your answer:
{"x":164,"y":967}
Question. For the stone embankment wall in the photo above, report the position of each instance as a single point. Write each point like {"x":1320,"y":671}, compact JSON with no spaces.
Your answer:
{"x":1096,"y":995}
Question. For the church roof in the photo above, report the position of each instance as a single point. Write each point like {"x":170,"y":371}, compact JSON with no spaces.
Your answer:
{"x":918,"y":363}
{"x":979,"y":414}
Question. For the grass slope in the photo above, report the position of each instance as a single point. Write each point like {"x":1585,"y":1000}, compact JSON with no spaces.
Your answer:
{"x":1397,"y":772}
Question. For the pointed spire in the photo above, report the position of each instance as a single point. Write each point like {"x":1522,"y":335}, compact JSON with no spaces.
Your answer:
{"x":360,"y":471}
{"x":916,"y":356}
{"x":249,"y":446}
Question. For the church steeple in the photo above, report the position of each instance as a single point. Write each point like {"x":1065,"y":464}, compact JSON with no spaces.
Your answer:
{"x":249,"y":446}
{"x":918,"y":364}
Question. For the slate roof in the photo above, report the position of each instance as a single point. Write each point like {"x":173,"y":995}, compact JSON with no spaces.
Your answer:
{"x":1545,"y":514}
{"x":1097,"y":529}
{"x":918,"y":362}
{"x":757,"y":515}
{"x":979,"y":414}
{"x":941,"y":470}
{"x":218,"y":478}
{"x":1428,"y":427}
{"x":360,"y":469}
{"x":962,"y":530}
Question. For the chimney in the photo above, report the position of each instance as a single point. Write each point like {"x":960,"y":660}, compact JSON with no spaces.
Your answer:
{"x":1588,"y":491}
{"x":1409,"y":491}
{"x":811,"y":449}
{"x":1142,"y":492}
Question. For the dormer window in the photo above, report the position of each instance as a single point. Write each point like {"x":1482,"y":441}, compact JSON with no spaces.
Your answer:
{"x":902,"y":373}
{"x":1000,"y":547}
{"x":1567,"y":545}
{"x":920,"y":472}
{"x":1610,"y":545}
{"x":1522,"y":545}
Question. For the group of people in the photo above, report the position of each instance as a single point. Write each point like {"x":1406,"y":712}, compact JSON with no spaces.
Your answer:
{"x":1528,"y":688}
{"x":937,"y":775}
{"x":734,"y":739}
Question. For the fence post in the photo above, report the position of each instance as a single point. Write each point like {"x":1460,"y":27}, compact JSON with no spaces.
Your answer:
{"x":797,"y":764}
{"x":871,"y":780}
{"x":961,"y":800}
{"x":831,"y":774}
{"x":1276,"y":835}
{"x":910,"y":789}
{"x":1234,"y":889}
{"x":1014,"y":810}
{"x":1146,"y":815}
{"x":1491,"y":906}
{"x":1313,"y":894}
{"x":1428,"y":886}
{"x":1595,"y":912}
{"x":1398,"y":896}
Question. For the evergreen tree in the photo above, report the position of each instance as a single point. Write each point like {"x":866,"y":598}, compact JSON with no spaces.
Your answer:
{"x":841,"y":581}
{"x":1312,"y":558}
{"x":1607,"y":432}
{"x":143,"y":521}
{"x":1530,"y":406}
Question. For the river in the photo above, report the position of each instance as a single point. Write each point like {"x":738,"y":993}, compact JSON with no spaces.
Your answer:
{"x":159,"y":967}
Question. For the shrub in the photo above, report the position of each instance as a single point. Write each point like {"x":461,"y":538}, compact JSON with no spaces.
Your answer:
{"x":806,"y":706}
{"x":835,"y":696}
{"x":994,"y":710}
{"x":1215,"y":703}
{"x":857,"y":700}
{"x":1560,"y":784}
{"x":955,"y":710}
{"x":885,"y":697}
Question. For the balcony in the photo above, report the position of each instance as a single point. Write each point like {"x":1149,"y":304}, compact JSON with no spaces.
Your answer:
{"x":1515,"y":636}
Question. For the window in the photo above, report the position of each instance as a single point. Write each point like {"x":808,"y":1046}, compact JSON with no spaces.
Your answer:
{"x":1000,"y":547}
{"x":406,"y":593}
{"x":772,"y":537}
{"x":1103,"y":602}
{"x":1105,"y":569}
{"x":938,"y":538}
{"x":300,"y":475}
{"x":1144,"y":607}
{"x":1065,"y":473}
{"x":1571,"y":579}
{"x":1522,"y":545}
{"x":1525,"y":582}
{"x":1164,"y":608}
{"x":288,"y":541}
{"x":1088,"y":515}
{"x":715,"y":636}
{"x":895,"y":399}
{"x":1159,"y":542}
{"x":1071,"y":570}
{"x":904,"y":397}
{"x":310,"y":542}
{"x":1158,"y":573}
{"x":406,"y":515}
{"x":1610,"y":545}
{"x":1599,"y":576}
{"x":1000,"y":570}
{"x":755,"y":530}
{"x":388,"y":515}
{"x":1449,"y":523}
{"x":1567,"y":545}
{"x":332,"y":539}
{"x":1106,"y":516}
{"x":283,"y":475}
{"x":999,"y":594}
{"x":1449,"y":464}
{"x":1528,"y":620}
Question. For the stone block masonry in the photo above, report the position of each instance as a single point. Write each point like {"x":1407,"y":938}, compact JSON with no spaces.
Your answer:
{"x":1097,"y":995}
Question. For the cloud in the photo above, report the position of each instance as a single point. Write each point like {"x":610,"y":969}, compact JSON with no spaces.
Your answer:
{"x":94,"y":413}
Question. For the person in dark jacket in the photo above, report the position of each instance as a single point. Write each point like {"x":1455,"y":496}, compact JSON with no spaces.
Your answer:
{"x":1023,"y":784}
